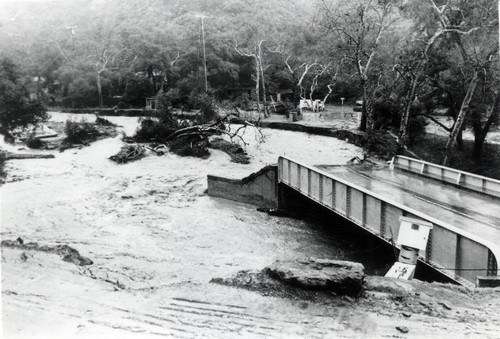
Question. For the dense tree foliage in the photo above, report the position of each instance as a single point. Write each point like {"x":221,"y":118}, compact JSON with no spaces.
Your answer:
{"x":403,"y":58}
{"x":16,"y":108}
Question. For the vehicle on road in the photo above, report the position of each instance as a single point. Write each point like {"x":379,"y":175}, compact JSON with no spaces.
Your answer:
{"x":358,"y":106}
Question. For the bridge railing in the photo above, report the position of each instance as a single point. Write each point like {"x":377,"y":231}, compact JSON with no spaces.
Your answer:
{"x":450,"y":175}
{"x":456,"y":253}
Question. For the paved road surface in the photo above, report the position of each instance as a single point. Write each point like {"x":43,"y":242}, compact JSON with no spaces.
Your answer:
{"x":470,"y":211}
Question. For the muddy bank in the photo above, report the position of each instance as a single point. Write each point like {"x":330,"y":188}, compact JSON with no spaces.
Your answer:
{"x":66,"y":252}
{"x":407,"y":302}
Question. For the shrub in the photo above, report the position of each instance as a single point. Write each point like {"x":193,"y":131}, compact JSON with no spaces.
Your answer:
{"x":385,"y":115}
{"x":207,"y":105}
{"x":161,"y":124}
{"x":103,"y":122}
{"x":416,"y":124}
{"x":136,"y":90}
{"x":153,"y":130}
{"x":122,"y":105}
{"x":34,"y":142}
{"x":173,"y":95}
{"x":195,"y":147}
{"x":381,"y":144}
{"x":163,"y":113}
{"x":243,"y":102}
{"x":79,"y":132}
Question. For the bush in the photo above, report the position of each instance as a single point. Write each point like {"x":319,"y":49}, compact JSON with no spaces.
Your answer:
{"x":163,"y":113}
{"x":283,"y":108}
{"x":416,"y":124}
{"x":122,"y":105}
{"x":385,"y":115}
{"x":381,"y":144}
{"x":79,"y":132}
{"x":103,"y":122}
{"x":34,"y":142}
{"x":190,"y":147}
{"x":173,"y":95}
{"x":161,"y":124}
{"x":207,"y":105}
{"x":153,"y":130}
{"x":137,"y":90}
{"x":243,"y":102}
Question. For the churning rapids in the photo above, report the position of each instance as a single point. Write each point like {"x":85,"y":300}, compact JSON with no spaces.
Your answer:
{"x":156,"y":240}
{"x":150,"y":227}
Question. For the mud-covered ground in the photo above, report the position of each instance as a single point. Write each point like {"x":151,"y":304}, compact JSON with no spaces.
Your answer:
{"x":157,"y":241}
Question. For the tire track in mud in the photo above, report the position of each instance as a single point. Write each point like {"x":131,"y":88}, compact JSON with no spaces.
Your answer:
{"x":187,"y":318}
{"x":195,"y":318}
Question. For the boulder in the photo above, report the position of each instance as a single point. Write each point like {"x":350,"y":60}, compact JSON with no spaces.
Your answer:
{"x":340,"y":277}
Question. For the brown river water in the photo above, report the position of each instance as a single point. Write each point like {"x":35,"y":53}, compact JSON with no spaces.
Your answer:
{"x":151,"y":230}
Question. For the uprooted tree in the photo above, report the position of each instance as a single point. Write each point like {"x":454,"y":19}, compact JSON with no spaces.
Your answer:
{"x":182,"y":137}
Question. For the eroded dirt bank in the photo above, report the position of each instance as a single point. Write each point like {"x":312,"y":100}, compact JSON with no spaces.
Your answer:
{"x":156,"y":241}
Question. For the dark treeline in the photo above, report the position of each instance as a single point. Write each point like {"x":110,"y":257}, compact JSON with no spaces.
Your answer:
{"x":405,"y":59}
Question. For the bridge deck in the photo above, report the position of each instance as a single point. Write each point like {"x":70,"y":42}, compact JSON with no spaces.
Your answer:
{"x":463,"y":243}
{"x":473,"y":212}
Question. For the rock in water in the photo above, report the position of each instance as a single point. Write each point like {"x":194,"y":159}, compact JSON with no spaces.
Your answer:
{"x":341,"y":277}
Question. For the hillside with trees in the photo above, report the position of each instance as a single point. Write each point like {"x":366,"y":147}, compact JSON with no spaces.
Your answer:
{"x":407,"y":61}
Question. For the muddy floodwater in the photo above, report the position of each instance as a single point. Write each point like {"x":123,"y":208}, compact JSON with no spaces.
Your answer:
{"x":156,"y":240}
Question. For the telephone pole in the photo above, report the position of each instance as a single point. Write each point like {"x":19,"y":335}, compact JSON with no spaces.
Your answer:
{"x":204,"y":52}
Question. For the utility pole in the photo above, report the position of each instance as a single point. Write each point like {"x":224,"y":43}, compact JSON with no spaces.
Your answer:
{"x":205,"y":54}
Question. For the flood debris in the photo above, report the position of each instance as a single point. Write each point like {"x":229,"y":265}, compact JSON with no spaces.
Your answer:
{"x":129,"y":153}
{"x":83,"y":133}
{"x":159,"y":149}
{"x":66,"y":252}
{"x":306,"y":279}
{"x":402,"y":329}
{"x":260,"y":282}
{"x":445,"y":305}
{"x":235,"y":151}
{"x":103,"y":121}
{"x":340,"y":277}
{"x":22,"y":156}
{"x":189,"y":139}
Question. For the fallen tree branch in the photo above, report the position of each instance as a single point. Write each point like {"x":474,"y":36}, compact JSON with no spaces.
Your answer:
{"x":448,"y":129}
{"x":20,"y":156}
{"x":128,"y":153}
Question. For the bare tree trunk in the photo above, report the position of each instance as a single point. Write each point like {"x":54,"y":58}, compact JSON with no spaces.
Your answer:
{"x":257,"y":83}
{"x":362,"y":124}
{"x":330,"y":90}
{"x":403,"y":128}
{"x":460,"y":139}
{"x":480,"y":133}
{"x":313,"y":89}
{"x":263,"y":80}
{"x":461,"y":117}
{"x":99,"y":88}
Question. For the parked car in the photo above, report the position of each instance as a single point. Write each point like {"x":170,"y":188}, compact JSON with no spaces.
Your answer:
{"x":358,"y":106}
